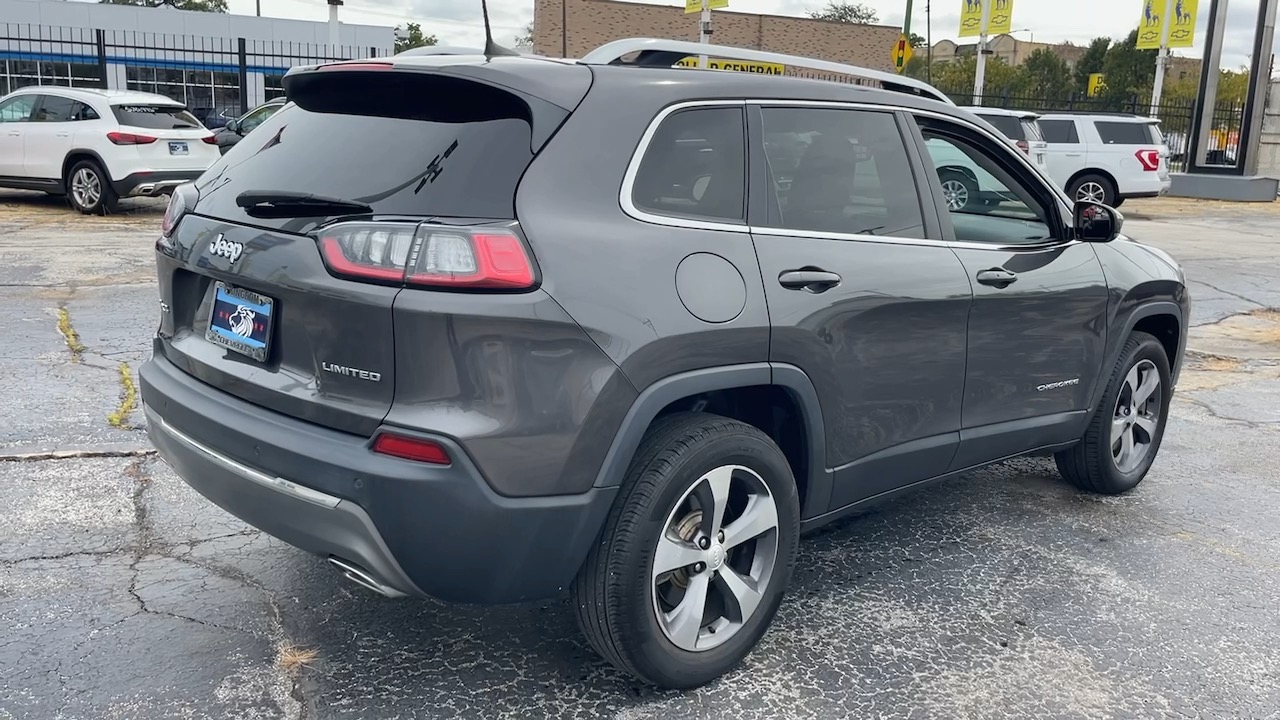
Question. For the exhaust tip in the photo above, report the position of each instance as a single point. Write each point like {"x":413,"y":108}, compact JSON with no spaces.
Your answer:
{"x":359,"y":576}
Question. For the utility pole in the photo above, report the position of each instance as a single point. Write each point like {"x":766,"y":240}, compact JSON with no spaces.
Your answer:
{"x":704,"y":31}
{"x":334,"y":36}
{"x":257,"y":8}
{"x":980,"y":76}
{"x":1162,"y":58}
{"x":928,"y":40}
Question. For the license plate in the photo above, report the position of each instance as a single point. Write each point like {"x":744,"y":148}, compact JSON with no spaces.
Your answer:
{"x":178,"y":148}
{"x":241,"y":321}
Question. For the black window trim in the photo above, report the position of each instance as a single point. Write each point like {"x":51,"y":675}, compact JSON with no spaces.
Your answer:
{"x":628,"y":182}
{"x":1016,"y":165}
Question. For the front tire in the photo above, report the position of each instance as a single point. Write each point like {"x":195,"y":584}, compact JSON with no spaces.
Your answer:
{"x":1125,"y":432}
{"x":89,"y":189}
{"x":959,"y":191}
{"x":677,"y":596}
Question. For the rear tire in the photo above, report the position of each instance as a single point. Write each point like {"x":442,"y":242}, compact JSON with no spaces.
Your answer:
{"x":1135,"y":404}
{"x":89,"y":189}
{"x":1093,"y":188}
{"x":684,"y":627}
{"x":1118,"y":202}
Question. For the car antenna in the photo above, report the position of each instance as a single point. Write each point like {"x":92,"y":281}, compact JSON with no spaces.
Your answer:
{"x":491,"y":48}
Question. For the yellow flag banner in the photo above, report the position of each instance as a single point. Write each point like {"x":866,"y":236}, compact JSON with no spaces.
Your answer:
{"x":1181,"y":23}
{"x":1001,"y":20}
{"x":1001,"y":17}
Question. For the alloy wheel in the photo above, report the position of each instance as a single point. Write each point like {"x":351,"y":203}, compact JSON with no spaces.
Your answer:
{"x":1137,"y":416}
{"x":86,"y":187}
{"x":1091,"y":192}
{"x":715,"y":558}
{"x":955,"y":193}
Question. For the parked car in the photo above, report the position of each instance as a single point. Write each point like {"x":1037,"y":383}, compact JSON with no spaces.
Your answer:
{"x":97,"y":146}
{"x":1106,"y":157}
{"x":461,"y":353}
{"x":235,"y":129}
{"x":967,"y":186}
{"x":212,"y":118}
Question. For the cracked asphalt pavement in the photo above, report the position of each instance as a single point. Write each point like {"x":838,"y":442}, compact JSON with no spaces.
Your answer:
{"x":1003,"y":594}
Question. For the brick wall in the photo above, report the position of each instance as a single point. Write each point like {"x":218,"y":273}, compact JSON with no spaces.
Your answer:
{"x":592,"y":23}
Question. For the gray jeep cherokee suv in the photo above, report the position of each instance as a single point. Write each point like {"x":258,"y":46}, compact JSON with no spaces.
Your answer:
{"x":486,"y":329}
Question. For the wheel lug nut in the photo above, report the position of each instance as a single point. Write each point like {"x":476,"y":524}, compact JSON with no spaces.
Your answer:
{"x":699,"y":567}
{"x":720,"y":537}
{"x":704,"y":543}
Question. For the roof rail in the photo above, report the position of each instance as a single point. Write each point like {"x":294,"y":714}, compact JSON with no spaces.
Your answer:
{"x":654,"y":52}
{"x":440,"y":50}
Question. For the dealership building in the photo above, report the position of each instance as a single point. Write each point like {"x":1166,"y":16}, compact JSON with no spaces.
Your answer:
{"x":223,"y":62}
{"x":572,"y":28}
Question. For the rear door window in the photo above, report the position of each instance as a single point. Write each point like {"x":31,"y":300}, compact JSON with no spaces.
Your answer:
{"x":695,"y":166}
{"x":840,"y":171}
{"x":1126,"y":133}
{"x":467,"y":165}
{"x":155,"y":117}
{"x":1031,"y":129}
{"x":56,"y":109}
{"x":1008,"y":125}
{"x":1059,"y":132}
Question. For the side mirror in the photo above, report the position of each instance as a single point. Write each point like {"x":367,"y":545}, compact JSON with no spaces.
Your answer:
{"x":233,"y":125}
{"x":1095,"y":222}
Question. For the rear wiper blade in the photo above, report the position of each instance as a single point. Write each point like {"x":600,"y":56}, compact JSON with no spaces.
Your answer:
{"x":282,"y":203}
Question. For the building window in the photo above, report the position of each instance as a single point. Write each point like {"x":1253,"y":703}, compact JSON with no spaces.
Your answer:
{"x":205,"y":92}
{"x":16,"y":74}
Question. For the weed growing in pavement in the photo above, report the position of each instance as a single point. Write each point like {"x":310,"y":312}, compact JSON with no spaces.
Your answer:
{"x":128,"y":399}
{"x":69,"y":334}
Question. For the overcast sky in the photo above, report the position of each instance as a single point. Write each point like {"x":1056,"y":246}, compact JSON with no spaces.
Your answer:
{"x":1078,"y":21}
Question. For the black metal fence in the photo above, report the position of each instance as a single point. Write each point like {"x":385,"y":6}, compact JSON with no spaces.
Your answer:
{"x":1175,"y":115}
{"x":213,"y":76}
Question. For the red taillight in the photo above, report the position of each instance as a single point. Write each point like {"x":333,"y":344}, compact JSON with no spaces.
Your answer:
{"x":409,"y":448}
{"x":1150,"y":159}
{"x":428,"y":255}
{"x":1024,"y":146}
{"x":124,"y":138}
{"x":209,"y":140}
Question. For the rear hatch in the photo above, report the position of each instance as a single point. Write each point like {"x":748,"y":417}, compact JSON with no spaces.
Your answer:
{"x":282,"y":277}
{"x":164,"y":137}
{"x":1138,"y":145}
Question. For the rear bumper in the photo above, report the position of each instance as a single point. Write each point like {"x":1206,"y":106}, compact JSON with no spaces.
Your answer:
{"x":410,"y":528}
{"x":151,"y":184}
{"x":1148,"y":189}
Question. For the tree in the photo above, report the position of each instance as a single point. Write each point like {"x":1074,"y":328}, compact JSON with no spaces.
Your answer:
{"x":1046,"y":75}
{"x":1091,"y":62}
{"x":916,"y":40}
{"x":217,"y":6}
{"x":413,"y":38}
{"x":844,"y":12}
{"x":1128,"y":70}
{"x":525,"y":38}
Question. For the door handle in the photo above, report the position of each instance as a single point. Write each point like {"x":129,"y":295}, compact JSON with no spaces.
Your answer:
{"x":997,"y":277}
{"x":63,"y":134}
{"x":812,"y":280}
{"x":1073,"y":154}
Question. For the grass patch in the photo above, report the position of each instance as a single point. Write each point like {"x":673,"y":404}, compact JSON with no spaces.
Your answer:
{"x":128,"y":397}
{"x":69,"y":334}
{"x":293,"y":658}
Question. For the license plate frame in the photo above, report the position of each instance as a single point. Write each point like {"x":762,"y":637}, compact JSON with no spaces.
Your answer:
{"x":179,"y":147}
{"x":236,"y":311}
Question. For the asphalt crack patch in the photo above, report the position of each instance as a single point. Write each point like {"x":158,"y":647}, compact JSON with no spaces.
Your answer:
{"x":128,"y":398}
{"x":75,"y":455}
{"x":69,"y":334}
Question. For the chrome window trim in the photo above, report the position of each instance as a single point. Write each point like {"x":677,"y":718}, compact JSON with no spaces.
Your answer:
{"x":633,"y":168}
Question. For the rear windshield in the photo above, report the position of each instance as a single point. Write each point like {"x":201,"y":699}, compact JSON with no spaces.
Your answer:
{"x":1128,"y":133}
{"x":1031,"y":128}
{"x":155,"y":117}
{"x":457,"y":167}
{"x":1008,"y":125}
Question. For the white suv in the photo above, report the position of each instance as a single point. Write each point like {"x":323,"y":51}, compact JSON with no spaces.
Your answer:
{"x":1106,"y":158}
{"x":97,"y":146}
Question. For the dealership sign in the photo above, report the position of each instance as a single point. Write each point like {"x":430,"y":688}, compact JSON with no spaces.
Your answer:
{"x":749,"y":66}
